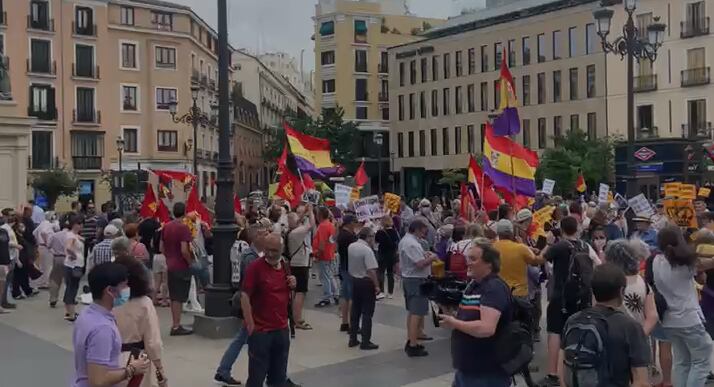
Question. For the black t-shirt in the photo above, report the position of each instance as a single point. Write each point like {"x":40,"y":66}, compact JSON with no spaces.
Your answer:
{"x":559,"y":255}
{"x":472,"y":355}
{"x":4,"y":247}
{"x":344,"y":239}
{"x":147,"y":233}
{"x":627,"y":346}
{"x":388,"y":241}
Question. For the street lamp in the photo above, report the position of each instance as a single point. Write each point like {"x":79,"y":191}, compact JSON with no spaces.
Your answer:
{"x":119,"y":181}
{"x":194,"y":117}
{"x":378,"y":139}
{"x":633,"y":46}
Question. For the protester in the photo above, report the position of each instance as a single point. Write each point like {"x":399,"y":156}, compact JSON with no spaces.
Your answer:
{"x":24,"y":266}
{"x":362,"y":267}
{"x":58,"y":247}
{"x":4,"y":264}
{"x":515,"y":258}
{"x":102,"y":251}
{"x":299,"y":227}
{"x":426,"y":217}
{"x":42,"y":234}
{"x":89,"y":228}
{"x":74,"y":265}
{"x":38,"y":214}
{"x":644,"y":231}
{"x":14,"y":248}
{"x":346,"y":236}
{"x":137,"y":249}
{"x":175,"y":245}
{"x":324,"y":246}
{"x":387,"y":239}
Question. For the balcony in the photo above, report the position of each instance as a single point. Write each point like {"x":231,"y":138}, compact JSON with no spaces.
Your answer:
{"x":88,"y":30}
{"x":87,"y":162}
{"x":49,"y":68}
{"x":383,"y":68}
{"x":695,"y":27}
{"x":644,"y":83}
{"x":204,"y":81}
{"x":92,"y":117}
{"x":194,"y":76}
{"x":696,"y":77}
{"x":212,"y":84}
{"x":383,"y":97}
{"x":50,"y":114}
{"x":3,"y":18}
{"x":42,"y":162}
{"x":697,"y":130}
{"x":41,"y":25}
{"x":647,"y":133}
{"x":92,"y":72}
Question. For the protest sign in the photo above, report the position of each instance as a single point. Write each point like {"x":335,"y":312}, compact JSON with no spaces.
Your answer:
{"x":602,"y":195}
{"x":540,"y":218}
{"x":355,"y":194}
{"x":704,"y":192}
{"x":672,"y":189}
{"x":687,"y":191}
{"x":392,"y":202}
{"x":681,"y":212}
{"x":621,"y":201}
{"x":548,"y":186}
{"x":368,"y":208}
{"x":641,"y":206}
{"x":311,"y":196}
{"x":342,"y":195}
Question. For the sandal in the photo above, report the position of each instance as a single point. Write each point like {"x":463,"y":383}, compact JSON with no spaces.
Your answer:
{"x":303,"y":325}
{"x":71,"y":318}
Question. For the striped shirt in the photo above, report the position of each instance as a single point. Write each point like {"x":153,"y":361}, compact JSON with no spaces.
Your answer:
{"x":102,"y":252}
{"x":58,"y":243}
{"x":89,"y":229}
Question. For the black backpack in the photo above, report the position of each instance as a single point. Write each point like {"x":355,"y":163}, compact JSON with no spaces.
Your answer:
{"x":514,"y":341}
{"x":577,"y":293}
{"x":585,"y":349}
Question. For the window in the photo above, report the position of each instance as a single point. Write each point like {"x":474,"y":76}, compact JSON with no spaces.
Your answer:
{"x":41,"y":150}
{"x":558,"y":126}
{"x":447,"y":65}
{"x":592,"y":126}
{"x":424,"y":70}
{"x":573,"y":84}
{"x":411,"y":144}
{"x":591,"y":81}
{"x":400,"y":144}
{"x":422,"y":104}
{"x":401,"y":73}
{"x":484,"y":96}
{"x":470,"y":141}
{"x":542,"y":137}
{"x":496,"y":95}
{"x":459,"y":63}
{"x":541,"y":88}
{"x":360,"y":61}
{"x":643,"y":22}
{"x":128,"y":55}
{"x":327,"y":58}
{"x":512,"y":53}
{"x":590,"y":37}
{"x":696,"y":59}
{"x":526,"y":90}
{"x":360,"y":31}
{"x":167,"y":140}
{"x":85,"y":105}
{"x":457,"y":140}
{"x":42,"y":102}
{"x":412,"y":106}
{"x":526,"y":129}
{"x":327,"y":28}
{"x":541,"y":48}
{"x":126,"y":16}
{"x":483,"y":135}
{"x":385,"y":113}
{"x":497,"y":55}
{"x":361,"y":89}
{"x":557,"y":86}
{"x":422,"y":143}
{"x":40,"y":15}
{"x":162,"y":20}
{"x":526,"y":42}
{"x":129,"y":97}
{"x":470,"y":98}
{"x":412,"y":72}
{"x":401,"y":107}
{"x":328,"y":86}
{"x":696,"y":118}
{"x":445,"y":141}
{"x":574,"y":122}
{"x":165,"y":57}
{"x":84,"y":61}
{"x":472,"y":61}
{"x":131,"y":140}
{"x":434,"y":68}
{"x":164,"y":96}
{"x":434,"y":103}
{"x":87,"y":150}
{"x":446,"y":97}
{"x":84,"y":21}
{"x":484,"y":59}
{"x":361,"y":112}
{"x":40,"y":61}
{"x":458,"y":91}
{"x":433,"y":142}
{"x":557,"y":43}
{"x":572,"y":41}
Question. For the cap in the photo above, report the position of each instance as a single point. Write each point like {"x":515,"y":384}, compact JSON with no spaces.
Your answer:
{"x":524,"y":215}
{"x":425,"y":203}
{"x":641,"y":219}
{"x":504,"y":226}
{"x":110,"y":230}
{"x":349,"y":219}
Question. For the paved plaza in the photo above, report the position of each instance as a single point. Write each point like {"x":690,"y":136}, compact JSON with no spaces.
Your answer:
{"x":37,"y":351}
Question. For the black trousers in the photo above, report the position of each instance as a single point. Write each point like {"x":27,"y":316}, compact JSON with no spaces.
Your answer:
{"x":21,"y":282}
{"x":363,"y":300}
{"x":386,"y":266}
{"x":268,"y":358}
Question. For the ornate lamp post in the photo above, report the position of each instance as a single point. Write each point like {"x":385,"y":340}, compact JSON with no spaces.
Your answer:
{"x":119,"y":181}
{"x":631,"y":45}
{"x":194,"y":117}
{"x":378,"y":139}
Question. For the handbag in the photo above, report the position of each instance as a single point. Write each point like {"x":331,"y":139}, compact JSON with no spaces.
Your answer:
{"x":77,"y":272}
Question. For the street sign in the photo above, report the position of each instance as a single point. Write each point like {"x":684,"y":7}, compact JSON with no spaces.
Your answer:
{"x":644,"y":154}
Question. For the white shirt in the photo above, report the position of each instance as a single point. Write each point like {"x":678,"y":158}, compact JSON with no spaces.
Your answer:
{"x":14,"y":252}
{"x":361,"y":259}
{"x":75,"y":243}
{"x":43,"y":232}
{"x":38,"y":214}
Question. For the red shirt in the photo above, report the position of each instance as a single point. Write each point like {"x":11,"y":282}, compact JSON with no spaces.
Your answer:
{"x":325,"y":236}
{"x":172,"y":235}
{"x":269,"y":294}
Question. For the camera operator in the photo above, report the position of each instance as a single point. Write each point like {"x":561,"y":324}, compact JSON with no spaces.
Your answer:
{"x":478,"y":319}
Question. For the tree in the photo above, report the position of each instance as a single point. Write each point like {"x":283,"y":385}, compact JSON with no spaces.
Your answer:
{"x":54,"y":183}
{"x":452,"y":178}
{"x":573,"y":152}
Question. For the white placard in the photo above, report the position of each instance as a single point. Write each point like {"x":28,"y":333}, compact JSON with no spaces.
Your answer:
{"x":342,"y":195}
{"x":602,"y":195}
{"x":621,"y":201}
{"x":548,"y":186}
{"x":311,"y":196}
{"x":641,"y":206}
{"x":368,"y":208}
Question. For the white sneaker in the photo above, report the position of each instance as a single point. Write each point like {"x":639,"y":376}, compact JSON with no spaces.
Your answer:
{"x":380,"y":296}
{"x":390,"y":295}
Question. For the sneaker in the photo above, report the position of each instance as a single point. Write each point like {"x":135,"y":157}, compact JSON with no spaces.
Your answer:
{"x":52,"y":304}
{"x":225,"y":381}
{"x":344,"y":327}
{"x":416,"y":351}
{"x":390,"y":295}
{"x":549,"y":381}
{"x":8,"y":305}
{"x":380,"y":296}
{"x":290,"y":383}
{"x":337,"y":300}
{"x":180,"y":331}
{"x":71,"y":318}
{"x":368,"y":346}
{"x":19,"y":297}
{"x":322,"y":304}
{"x":353,"y":343}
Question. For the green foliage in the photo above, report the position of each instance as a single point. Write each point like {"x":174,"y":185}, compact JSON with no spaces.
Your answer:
{"x":576,"y":151}
{"x":54,"y":183}
{"x":452,"y":178}
{"x":425,"y":26}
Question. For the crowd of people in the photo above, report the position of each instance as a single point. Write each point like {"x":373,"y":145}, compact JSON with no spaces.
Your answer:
{"x":640,"y":282}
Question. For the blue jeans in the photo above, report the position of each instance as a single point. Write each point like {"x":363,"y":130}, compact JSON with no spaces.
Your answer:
{"x":691,"y":349}
{"x":327,"y":279}
{"x":463,"y":380}
{"x":232,"y":352}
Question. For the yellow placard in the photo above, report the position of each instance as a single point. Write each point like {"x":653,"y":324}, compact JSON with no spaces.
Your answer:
{"x":704,"y":192}
{"x":681,"y":212}
{"x":392,"y":202}
{"x":540,"y":218}
{"x":687,"y":191}
{"x":272,"y":189}
{"x":672,"y":189}
{"x":355,"y":194}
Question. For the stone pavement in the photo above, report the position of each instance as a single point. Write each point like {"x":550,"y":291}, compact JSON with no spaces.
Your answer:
{"x":37,"y":344}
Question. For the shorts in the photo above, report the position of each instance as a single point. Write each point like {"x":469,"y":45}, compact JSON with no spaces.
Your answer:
{"x":659,"y":334}
{"x":345,"y":285}
{"x":159,"y":264}
{"x":4,"y":270}
{"x":555,"y":318}
{"x":302,"y":274}
{"x":179,"y":285}
{"x":416,"y":303}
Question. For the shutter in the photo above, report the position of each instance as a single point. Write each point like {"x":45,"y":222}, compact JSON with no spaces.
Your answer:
{"x":51,"y":109}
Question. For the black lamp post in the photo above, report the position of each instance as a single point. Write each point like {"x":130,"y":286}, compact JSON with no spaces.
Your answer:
{"x":633,"y":46}
{"x":378,"y":139}
{"x":119,"y":182}
{"x":194,"y":117}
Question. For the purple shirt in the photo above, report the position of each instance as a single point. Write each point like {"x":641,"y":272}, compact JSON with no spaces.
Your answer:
{"x":96,"y":340}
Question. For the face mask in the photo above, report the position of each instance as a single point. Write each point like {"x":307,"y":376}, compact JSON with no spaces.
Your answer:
{"x":599,"y":243}
{"x":123,"y":297}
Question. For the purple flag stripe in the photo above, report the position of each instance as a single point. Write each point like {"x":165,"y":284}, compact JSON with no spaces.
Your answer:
{"x":507,"y":123}
{"x":523,"y":186}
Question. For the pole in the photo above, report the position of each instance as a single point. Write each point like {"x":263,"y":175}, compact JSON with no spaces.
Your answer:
{"x":630,"y":38}
{"x":194,"y":120}
{"x":121,"y":181}
{"x":379,"y":168}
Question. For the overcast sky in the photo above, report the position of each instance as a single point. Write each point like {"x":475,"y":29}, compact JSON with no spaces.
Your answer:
{"x":286,"y":25}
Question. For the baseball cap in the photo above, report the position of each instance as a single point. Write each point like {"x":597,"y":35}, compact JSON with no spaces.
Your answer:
{"x":110,"y":230}
{"x":504,"y":226}
{"x":524,"y":215}
{"x":425,"y":203}
{"x":349,"y":219}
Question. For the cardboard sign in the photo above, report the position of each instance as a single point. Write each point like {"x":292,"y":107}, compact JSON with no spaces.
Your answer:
{"x":355,"y":194}
{"x":681,"y":212}
{"x":641,"y":206}
{"x":548,"y":186}
{"x":342,"y":195}
{"x":311,"y":196}
{"x":672,"y":189}
{"x":621,"y":201}
{"x":687,"y":191}
{"x":368,"y":208}
{"x":602,"y":195}
{"x":392,"y":202}
{"x":704,"y":192}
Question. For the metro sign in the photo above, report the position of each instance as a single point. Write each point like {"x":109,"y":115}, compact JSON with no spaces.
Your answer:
{"x":644,"y":154}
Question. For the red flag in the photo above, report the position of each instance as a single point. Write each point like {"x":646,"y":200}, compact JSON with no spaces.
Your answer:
{"x":237,"y":208}
{"x":283,"y":156}
{"x":290,"y":187}
{"x":162,"y":213}
{"x":361,"y":177}
{"x":195,"y":205}
{"x":307,"y":181}
{"x":580,"y":185}
{"x":468,"y":202}
{"x":150,"y":204}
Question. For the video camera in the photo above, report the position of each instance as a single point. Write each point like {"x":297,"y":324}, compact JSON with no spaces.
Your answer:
{"x":445,"y":292}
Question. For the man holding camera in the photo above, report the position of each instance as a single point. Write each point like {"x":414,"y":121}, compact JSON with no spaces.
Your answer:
{"x":484,"y":310}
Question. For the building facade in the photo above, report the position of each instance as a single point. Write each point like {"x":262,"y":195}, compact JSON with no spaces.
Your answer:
{"x":250,"y":171}
{"x":289,"y":68}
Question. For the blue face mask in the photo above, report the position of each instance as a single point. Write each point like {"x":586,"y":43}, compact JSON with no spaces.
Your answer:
{"x":123,"y":297}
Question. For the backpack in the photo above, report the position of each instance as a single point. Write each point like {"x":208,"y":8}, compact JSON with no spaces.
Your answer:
{"x":286,"y":247}
{"x":576,"y":292}
{"x":514,"y":341}
{"x":584,"y":344}
{"x":457,"y":263}
{"x":660,"y":301}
